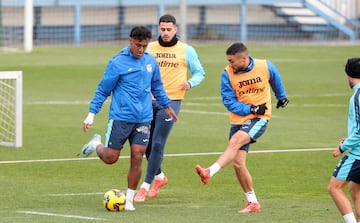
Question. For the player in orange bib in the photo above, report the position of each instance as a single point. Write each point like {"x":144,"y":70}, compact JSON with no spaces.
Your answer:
{"x":246,"y":85}
{"x":175,"y":59}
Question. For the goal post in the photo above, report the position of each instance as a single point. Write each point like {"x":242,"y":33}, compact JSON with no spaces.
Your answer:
{"x":11,"y":103}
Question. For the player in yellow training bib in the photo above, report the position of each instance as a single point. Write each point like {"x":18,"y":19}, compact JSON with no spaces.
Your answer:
{"x":175,"y":58}
{"x":246,"y":85}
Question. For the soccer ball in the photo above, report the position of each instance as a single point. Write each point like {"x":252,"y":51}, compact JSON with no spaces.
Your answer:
{"x":114,"y":200}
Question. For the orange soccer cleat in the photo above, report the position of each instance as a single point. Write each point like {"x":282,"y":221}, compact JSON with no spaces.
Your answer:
{"x":140,"y":196}
{"x":250,"y":207}
{"x":203,"y":173}
{"x":156,"y":187}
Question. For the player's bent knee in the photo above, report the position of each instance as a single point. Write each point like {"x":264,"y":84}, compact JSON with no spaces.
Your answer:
{"x":332,"y":190}
{"x":110,"y":160}
{"x":109,"y":156}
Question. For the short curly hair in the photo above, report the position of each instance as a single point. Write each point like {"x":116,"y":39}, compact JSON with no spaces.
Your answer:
{"x":140,"y":33}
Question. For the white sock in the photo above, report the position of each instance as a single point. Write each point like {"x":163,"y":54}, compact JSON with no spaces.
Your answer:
{"x":251,"y":197}
{"x":350,"y":218}
{"x":129,"y":199}
{"x":146,"y":186}
{"x":160,"y":176}
{"x":130,"y":194}
{"x":214,"y":169}
{"x":96,"y":143}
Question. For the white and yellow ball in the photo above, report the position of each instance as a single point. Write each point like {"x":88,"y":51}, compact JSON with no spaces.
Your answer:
{"x":114,"y":200}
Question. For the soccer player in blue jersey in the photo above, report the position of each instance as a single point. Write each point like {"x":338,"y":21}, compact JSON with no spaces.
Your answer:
{"x":175,"y":59}
{"x":348,"y":169}
{"x":131,"y":78}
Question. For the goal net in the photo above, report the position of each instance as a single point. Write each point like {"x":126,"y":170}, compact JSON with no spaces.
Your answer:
{"x":11,"y":108}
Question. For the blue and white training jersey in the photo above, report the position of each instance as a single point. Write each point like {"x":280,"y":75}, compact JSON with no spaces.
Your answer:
{"x":352,"y":142}
{"x":130,"y":81}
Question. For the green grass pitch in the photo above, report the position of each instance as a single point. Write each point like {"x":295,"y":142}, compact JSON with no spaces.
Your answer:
{"x":291,"y":186}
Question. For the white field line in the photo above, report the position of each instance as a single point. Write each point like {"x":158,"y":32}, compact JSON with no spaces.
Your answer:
{"x":57,"y":103}
{"x":167,"y":155}
{"x":190,"y":104}
{"x":75,"y":194}
{"x":61,"y":215}
{"x":88,"y":194}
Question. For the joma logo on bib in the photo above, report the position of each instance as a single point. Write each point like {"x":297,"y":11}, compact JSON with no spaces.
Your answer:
{"x":249,"y":82}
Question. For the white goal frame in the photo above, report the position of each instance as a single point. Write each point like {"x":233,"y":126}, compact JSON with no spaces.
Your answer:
{"x":12,"y":100}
